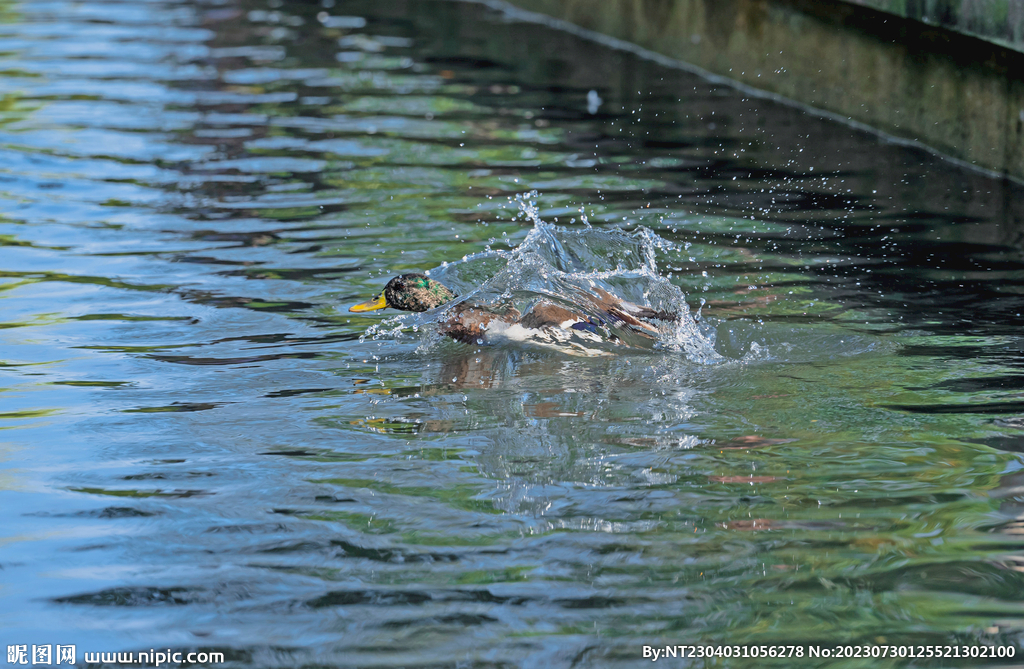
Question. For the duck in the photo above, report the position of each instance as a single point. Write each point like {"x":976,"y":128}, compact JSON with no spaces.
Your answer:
{"x":481,"y":324}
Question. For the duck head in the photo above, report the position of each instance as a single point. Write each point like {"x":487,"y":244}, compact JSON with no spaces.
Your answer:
{"x":409,"y":292}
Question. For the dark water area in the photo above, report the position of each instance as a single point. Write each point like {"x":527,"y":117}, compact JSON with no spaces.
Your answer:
{"x":203,"y":449}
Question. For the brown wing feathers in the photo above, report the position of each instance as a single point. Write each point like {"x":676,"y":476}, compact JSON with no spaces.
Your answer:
{"x":469,"y":324}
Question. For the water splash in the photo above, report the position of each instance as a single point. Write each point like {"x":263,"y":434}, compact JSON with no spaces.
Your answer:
{"x":583,"y":269}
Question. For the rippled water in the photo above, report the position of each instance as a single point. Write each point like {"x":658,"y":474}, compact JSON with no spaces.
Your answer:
{"x":203,"y":449}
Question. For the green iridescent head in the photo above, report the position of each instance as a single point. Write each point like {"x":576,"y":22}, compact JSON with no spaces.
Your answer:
{"x":409,"y":292}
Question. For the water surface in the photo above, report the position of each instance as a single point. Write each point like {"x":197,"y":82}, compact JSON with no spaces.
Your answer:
{"x":202,"y":449}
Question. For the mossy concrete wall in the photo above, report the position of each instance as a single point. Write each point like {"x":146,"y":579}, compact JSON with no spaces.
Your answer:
{"x":961,"y":95}
{"x":1000,"y":21}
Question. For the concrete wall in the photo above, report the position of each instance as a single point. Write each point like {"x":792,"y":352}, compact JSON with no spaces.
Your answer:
{"x":961,"y":95}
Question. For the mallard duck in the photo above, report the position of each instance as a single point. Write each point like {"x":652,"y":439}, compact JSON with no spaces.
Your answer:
{"x":477,"y":324}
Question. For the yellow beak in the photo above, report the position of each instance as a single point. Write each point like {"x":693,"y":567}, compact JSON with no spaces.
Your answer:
{"x":373,"y":305}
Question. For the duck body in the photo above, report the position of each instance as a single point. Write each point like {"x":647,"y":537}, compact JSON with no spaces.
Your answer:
{"x":545,"y":322}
